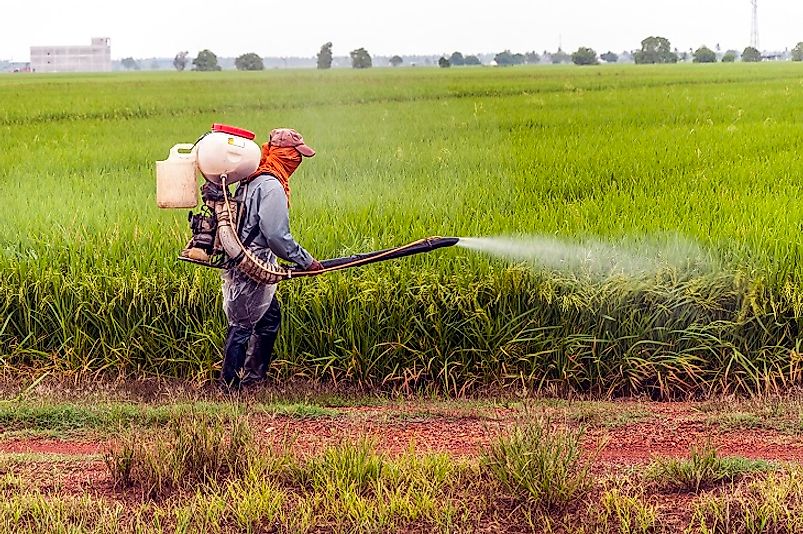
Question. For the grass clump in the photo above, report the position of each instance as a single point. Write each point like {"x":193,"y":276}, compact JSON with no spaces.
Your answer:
{"x":621,"y":511}
{"x":540,"y":465}
{"x":773,"y":504}
{"x":198,"y":449}
{"x":209,"y":474}
{"x":346,"y":467}
{"x":350,"y":487}
{"x":703,"y":468}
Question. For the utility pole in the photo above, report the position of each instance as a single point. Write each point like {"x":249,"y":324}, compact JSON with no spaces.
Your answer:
{"x":754,"y":26}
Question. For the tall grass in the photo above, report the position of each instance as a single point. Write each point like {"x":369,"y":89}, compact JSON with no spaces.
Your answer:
{"x":88,"y":277}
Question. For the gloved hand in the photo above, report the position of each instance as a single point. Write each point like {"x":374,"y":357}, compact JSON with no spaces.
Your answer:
{"x":314,"y":266}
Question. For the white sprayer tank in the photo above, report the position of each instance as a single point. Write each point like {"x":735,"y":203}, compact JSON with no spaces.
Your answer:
{"x":176,"y":186}
{"x":227,"y":150}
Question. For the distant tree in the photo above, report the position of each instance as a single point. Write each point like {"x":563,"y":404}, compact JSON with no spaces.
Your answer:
{"x":609,"y":57}
{"x":560,"y":57}
{"x":444,"y":63}
{"x":751,"y":55}
{"x":730,"y":56}
{"x":180,"y":61}
{"x":797,"y":52}
{"x":705,"y":55}
{"x":585,"y":56}
{"x":130,"y":63}
{"x":532,"y":58}
{"x":473,"y":60}
{"x":457,"y":59}
{"x":155,"y":65}
{"x":506,"y":58}
{"x":205,"y":61}
{"x":360,"y":59}
{"x":325,"y":56}
{"x":396,"y":61}
{"x":249,"y":61}
{"x":655,"y":50}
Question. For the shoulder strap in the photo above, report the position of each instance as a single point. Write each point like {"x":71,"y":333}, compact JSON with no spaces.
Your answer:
{"x":241,"y":216}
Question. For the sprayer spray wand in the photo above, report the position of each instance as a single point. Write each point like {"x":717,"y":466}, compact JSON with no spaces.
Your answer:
{"x":426,"y":244}
{"x":240,"y":257}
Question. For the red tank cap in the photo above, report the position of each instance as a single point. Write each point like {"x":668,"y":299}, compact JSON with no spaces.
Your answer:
{"x":233,"y":130}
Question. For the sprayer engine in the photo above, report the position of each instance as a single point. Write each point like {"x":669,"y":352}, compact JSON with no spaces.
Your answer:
{"x":224,"y":156}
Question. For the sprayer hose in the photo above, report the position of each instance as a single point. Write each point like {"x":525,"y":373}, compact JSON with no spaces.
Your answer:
{"x":265,"y":272}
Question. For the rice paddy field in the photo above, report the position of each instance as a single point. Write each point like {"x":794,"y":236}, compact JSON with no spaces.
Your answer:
{"x":709,"y":155}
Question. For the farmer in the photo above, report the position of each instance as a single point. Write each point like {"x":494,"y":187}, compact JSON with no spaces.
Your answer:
{"x":252,"y":309}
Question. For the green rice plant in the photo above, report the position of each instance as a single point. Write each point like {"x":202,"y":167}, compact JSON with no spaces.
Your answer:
{"x":89,"y":280}
{"x":540,"y":465}
{"x":702,"y":469}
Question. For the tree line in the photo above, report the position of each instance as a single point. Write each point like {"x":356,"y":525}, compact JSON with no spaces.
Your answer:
{"x":654,"y":50}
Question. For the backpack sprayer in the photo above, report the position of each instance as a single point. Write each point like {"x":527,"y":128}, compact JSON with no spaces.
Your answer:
{"x":224,"y":156}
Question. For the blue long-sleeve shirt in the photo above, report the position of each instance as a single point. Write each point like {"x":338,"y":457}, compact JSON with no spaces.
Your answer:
{"x":266,"y":226}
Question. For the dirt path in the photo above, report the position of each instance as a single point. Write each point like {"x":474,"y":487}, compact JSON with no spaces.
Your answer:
{"x":666,"y":430}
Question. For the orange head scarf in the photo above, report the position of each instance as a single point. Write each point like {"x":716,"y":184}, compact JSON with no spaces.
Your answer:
{"x":280,"y":162}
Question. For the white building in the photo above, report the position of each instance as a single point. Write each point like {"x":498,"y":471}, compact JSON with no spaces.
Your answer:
{"x":96,"y":57}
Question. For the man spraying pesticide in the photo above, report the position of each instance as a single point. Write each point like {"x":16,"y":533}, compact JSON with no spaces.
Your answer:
{"x":245,"y":234}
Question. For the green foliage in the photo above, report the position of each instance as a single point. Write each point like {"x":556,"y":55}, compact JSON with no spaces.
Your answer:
{"x":360,"y":59}
{"x":797,"y":52}
{"x":395,"y":61}
{"x":751,"y":55}
{"x":472,"y":60}
{"x":585,"y":56}
{"x":180,"y":61}
{"x":249,"y":61}
{"x":705,"y":55}
{"x":560,"y":57}
{"x":325,"y":56}
{"x":444,"y":63}
{"x":129,"y":63}
{"x":532,"y":58}
{"x":506,"y":58}
{"x":655,"y":50}
{"x":730,"y":56}
{"x":457,"y":59}
{"x":205,"y":61}
{"x":609,"y":57}
{"x":540,"y":465}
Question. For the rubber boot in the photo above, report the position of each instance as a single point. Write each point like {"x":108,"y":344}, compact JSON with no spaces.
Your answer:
{"x":234,"y":356}
{"x":260,"y":350}
{"x":259,"y":358}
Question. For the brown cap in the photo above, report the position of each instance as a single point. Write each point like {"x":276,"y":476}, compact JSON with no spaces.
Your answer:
{"x":289,"y":138}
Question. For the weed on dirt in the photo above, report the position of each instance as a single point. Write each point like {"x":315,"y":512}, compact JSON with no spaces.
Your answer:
{"x":702,"y":469}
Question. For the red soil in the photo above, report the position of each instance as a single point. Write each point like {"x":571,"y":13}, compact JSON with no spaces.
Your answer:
{"x":670,"y":431}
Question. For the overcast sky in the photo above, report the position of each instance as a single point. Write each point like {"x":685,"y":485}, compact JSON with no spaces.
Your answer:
{"x":148,"y":28}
